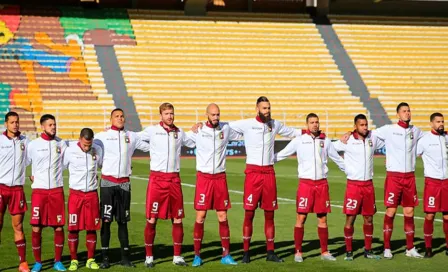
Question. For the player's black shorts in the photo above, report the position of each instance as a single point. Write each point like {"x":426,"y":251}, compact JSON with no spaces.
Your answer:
{"x":115,"y":202}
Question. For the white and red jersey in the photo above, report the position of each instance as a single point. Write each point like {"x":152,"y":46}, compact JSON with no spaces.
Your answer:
{"x":165,"y":147}
{"x":312,"y":155}
{"x":83,"y":166}
{"x":46,"y":155}
{"x":13,"y":159}
{"x":259,"y":138}
{"x":211,"y":147}
{"x":401,"y":146}
{"x":433,"y":148}
{"x":358,"y":155}
{"x":118,"y":147}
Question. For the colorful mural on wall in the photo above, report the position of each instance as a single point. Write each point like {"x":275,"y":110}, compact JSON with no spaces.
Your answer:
{"x":41,"y":53}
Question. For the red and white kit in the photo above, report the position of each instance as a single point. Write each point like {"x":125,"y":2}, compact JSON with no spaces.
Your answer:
{"x":83,"y":202}
{"x":47,"y":199}
{"x":12,"y":173}
{"x":211,"y":183}
{"x":312,"y":155}
{"x":358,"y":158}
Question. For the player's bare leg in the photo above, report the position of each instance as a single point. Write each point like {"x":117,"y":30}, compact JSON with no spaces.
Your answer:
{"x":150,"y":234}
{"x":409,"y":229}
{"x":388,"y":227}
{"x":19,"y":239}
{"x":224,"y":233}
{"x":322,"y":229}
{"x":368,"y":238}
{"x":198,"y":235}
{"x":445,"y":230}
{"x":298,"y":236}
{"x":178,"y":237}
{"x":348,"y":235}
{"x":428,"y":229}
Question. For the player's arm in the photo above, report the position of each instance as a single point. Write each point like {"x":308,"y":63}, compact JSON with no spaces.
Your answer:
{"x":419,"y":133}
{"x":66,"y":160}
{"x":98,"y":141}
{"x":233,"y":134}
{"x":334,"y":155}
{"x":339,"y":146}
{"x":142,"y":139}
{"x":189,"y":139}
{"x":29,"y":152}
{"x":99,"y":156}
{"x":381,"y":132}
{"x":289,"y":150}
{"x":379,"y":143}
{"x":238,"y":126}
{"x":288,"y":131}
{"x":420,"y":147}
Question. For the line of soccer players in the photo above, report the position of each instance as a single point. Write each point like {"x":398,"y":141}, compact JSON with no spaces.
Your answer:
{"x":112,"y":151}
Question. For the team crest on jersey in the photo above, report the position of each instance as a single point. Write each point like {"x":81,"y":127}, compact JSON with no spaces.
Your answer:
{"x":175,"y":135}
{"x":58,"y":150}
{"x":370,"y":143}
{"x":221,"y":135}
{"x":126,"y":139}
{"x":226,"y":203}
{"x":411,"y":135}
{"x":322,"y":144}
{"x":59,"y":218}
{"x":22,"y":146}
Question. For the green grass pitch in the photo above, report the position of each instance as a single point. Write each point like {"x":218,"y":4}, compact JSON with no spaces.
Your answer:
{"x":284,"y":220}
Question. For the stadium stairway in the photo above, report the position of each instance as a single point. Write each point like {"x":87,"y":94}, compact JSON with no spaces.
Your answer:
{"x":400,"y":59}
{"x":232,"y":59}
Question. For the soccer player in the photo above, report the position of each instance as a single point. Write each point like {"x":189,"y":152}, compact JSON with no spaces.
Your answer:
{"x":260,"y":186}
{"x":13,"y":147}
{"x":434,"y":147}
{"x":211,"y":183}
{"x":118,"y":146}
{"x":164,"y":198}
{"x":45,"y":154}
{"x":82,"y":158}
{"x":359,"y":194}
{"x":313,"y":149}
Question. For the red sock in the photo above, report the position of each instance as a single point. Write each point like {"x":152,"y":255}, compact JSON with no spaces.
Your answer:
{"x":368,"y":236}
{"x":36,"y":241}
{"x":150,"y":234}
{"x":409,"y":229}
{"x":91,"y":244}
{"x":269,"y":229}
{"x":348,"y":235}
{"x":445,"y":230}
{"x":247,"y":228}
{"x":73,"y":237}
{"x":21,"y":249}
{"x":388,"y":227}
{"x":198,"y":235}
{"x":323,"y":237}
{"x":58,"y":244}
{"x":178,"y":237}
{"x":428,"y":230}
{"x":224,"y":232}
{"x":298,"y":238}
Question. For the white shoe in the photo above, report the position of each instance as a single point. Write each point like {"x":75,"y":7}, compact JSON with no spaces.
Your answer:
{"x":149,"y":262}
{"x":388,"y":254}
{"x":179,"y":260}
{"x":327,"y":257}
{"x":298,"y":258}
{"x":413,"y":253}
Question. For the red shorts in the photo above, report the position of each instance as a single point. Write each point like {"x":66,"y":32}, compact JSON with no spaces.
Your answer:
{"x":164,"y":199}
{"x":12,"y":197}
{"x":83,"y":210}
{"x":399,"y":189}
{"x":359,"y":198}
{"x":435,"y":196}
{"x":260,"y":188}
{"x":313,"y":196}
{"x":211,"y":192}
{"x":48,"y":207}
